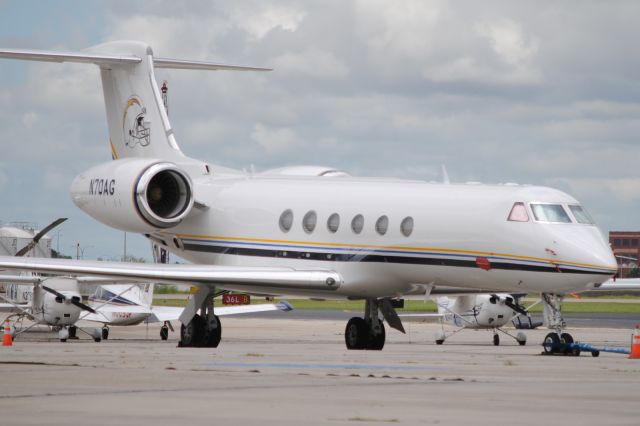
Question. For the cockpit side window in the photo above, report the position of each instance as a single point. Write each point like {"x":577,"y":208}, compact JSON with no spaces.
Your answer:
{"x":550,"y":213}
{"x":519,"y":213}
{"x":581,"y":215}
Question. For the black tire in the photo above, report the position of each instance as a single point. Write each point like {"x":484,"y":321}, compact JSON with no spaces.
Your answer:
{"x":356,"y":334}
{"x":105,"y":333}
{"x":97,"y":339}
{"x":522,"y":342}
{"x":439,"y":342}
{"x":63,"y":340}
{"x":496,"y":340}
{"x":567,"y":339}
{"x":164,"y":332}
{"x":212,"y":332}
{"x":376,"y":342}
{"x":73,"y":332}
{"x":191,"y":333}
{"x":595,"y":354}
{"x":551,"y":343}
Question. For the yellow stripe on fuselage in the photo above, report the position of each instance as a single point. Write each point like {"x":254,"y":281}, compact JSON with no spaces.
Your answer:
{"x":377,"y":247}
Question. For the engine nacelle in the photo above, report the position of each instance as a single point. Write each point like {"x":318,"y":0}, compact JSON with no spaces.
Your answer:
{"x":134,"y":195}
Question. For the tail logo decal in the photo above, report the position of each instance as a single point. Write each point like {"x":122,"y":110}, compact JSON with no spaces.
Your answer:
{"x":135,"y":129}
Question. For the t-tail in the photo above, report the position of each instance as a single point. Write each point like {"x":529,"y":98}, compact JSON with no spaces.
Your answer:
{"x":137,"y":121}
{"x":150,"y":168}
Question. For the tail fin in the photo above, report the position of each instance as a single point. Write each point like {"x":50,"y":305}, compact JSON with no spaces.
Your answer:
{"x":138,"y":124}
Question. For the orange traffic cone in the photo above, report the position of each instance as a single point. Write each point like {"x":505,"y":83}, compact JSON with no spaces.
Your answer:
{"x":635,"y":343}
{"x":7,"y":339}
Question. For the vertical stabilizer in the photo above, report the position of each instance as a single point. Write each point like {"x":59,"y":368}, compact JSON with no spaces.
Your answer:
{"x":137,"y":121}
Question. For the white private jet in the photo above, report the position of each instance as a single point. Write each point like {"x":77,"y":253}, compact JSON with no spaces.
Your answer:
{"x":308,"y":231}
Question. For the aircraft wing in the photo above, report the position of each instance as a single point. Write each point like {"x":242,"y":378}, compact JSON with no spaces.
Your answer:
{"x":19,"y":279}
{"x":620,"y":285}
{"x":268,"y":278}
{"x":8,"y":307}
{"x":170,"y":313}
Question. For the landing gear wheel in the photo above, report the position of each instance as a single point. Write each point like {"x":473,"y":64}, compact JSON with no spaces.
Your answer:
{"x":595,"y":354}
{"x":521,"y":338}
{"x":105,"y":333}
{"x":376,"y":342}
{"x":73,"y":331}
{"x":439,"y":342}
{"x":551,"y":343}
{"x":191,"y":333}
{"x":567,"y":339}
{"x":212,"y":332}
{"x":496,"y":340}
{"x":356,"y":333}
{"x":164,"y":332}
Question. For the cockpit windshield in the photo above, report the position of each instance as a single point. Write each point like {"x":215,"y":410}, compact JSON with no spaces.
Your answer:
{"x":581,"y":215}
{"x":550,"y":213}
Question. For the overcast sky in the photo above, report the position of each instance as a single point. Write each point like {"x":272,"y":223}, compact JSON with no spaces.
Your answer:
{"x":534,"y":92}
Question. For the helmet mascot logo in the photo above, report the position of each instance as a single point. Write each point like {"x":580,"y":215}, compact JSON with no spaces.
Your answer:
{"x":135,"y":129}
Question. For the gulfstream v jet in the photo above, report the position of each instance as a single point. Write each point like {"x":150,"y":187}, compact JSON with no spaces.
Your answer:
{"x":308,"y":231}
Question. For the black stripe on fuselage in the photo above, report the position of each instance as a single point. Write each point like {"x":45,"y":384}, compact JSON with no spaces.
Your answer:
{"x":377,"y":258}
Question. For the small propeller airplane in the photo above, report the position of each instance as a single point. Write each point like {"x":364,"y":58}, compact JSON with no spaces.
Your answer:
{"x":57,"y":302}
{"x":308,"y":231}
{"x":489,"y":312}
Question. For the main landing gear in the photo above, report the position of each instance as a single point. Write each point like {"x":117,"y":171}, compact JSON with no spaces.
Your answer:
{"x":204,"y":330}
{"x":369,"y":332}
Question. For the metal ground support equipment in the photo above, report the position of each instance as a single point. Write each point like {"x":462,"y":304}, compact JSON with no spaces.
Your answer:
{"x":575,"y":348}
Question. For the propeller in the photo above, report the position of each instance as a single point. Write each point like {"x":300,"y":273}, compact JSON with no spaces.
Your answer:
{"x":75,"y":300}
{"x":511,"y":303}
{"x":26,"y":249}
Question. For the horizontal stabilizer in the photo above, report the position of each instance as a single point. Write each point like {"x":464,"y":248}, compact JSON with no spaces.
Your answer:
{"x":100,"y":59}
{"x":54,"y":56}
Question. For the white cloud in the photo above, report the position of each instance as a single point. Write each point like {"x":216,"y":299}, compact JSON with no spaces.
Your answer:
{"x":259,"y":18}
{"x":312,"y":62}
{"x":274,"y":140}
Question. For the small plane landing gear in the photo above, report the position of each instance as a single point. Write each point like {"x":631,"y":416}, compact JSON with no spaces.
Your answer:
{"x":63,"y":334}
{"x":105,"y":333}
{"x":496,"y":339}
{"x":73,"y":332}
{"x":367,"y":332}
{"x":204,"y":330}
{"x":164,"y":332}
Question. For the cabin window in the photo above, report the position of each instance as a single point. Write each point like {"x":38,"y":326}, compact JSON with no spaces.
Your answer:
{"x":382,"y":224}
{"x":333,"y":223}
{"x":581,"y":215}
{"x":406,"y":226}
{"x":286,"y":220}
{"x":357,"y":223}
{"x":309,"y":222}
{"x":550,"y":213}
{"x":519,"y":213}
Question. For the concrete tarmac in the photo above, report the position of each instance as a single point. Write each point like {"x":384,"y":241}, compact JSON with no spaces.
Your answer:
{"x":279,"y":371}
